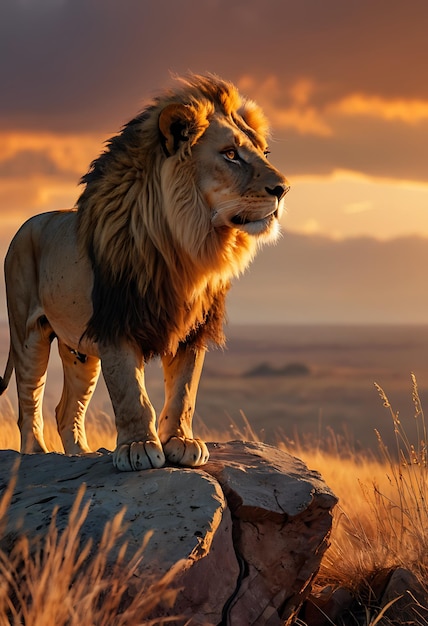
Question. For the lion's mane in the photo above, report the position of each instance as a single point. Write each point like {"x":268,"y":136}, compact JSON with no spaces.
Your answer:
{"x":161,"y":271}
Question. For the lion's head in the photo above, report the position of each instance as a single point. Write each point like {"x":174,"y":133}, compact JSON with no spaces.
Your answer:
{"x":173,"y":209}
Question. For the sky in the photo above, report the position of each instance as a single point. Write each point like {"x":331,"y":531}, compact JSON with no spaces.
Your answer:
{"x":342,"y":83}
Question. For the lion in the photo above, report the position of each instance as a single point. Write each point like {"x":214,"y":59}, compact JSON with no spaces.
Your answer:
{"x":174,"y":208}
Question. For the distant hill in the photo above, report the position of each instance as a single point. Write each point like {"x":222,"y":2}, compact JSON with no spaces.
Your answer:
{"x":267,"y":370}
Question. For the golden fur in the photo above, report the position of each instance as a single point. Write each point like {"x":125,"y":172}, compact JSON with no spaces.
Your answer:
{"x":172,"y":210}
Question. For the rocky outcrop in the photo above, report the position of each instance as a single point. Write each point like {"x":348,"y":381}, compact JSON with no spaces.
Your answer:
{"x":282,"y":518}
{"x":245,"y":535}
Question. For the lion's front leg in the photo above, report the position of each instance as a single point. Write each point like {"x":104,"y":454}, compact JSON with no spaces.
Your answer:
{"x":138,"y":446}
{"x":182,"y":373}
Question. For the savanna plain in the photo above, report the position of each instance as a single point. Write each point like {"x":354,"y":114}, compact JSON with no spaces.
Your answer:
{"x":348,"y":400}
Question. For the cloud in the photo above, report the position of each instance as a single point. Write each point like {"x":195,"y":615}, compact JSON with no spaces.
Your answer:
{"x":29,"y":163}
{"x":40,"y":172}
{"x":23,"y":197}
{"x":407,"y":111}
{"x":332,"y":101}
{"x":298,"y":107}
{"x":345,"y":204}
{"x":55,"y":80}
{"x":46,"y":153}
{"x":362,"y":144}
{"x":298,"y":114}
{"x":311,"y":226}
{"x":358,"y":207}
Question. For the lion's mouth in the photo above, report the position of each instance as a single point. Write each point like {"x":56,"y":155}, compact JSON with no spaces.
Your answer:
{"x":242,"y":220}
{"x":239,"y":220}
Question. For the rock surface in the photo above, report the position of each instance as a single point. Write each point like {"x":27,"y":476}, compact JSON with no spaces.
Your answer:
{"x":248,"y":531}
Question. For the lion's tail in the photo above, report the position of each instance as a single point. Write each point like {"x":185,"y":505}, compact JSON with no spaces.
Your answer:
{"x":7,"y":374}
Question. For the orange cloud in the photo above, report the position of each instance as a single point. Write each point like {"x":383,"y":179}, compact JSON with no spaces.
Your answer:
{"x":353,"y":208}
{"x":69,"y":153}
{"x":347,"y":204}
{"x":294,"y":107}
{"x":21,"y":198}
{"x":40,"y":172}
{"x":300,"y":114}
{"x":403,"y":110}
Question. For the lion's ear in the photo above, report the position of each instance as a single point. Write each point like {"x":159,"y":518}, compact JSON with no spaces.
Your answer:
{"x":177,"y":124}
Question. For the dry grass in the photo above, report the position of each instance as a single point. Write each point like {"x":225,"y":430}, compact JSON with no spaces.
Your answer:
{"x":101,"y":431}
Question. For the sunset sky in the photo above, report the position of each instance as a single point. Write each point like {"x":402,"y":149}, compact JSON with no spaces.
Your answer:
{"x":344,"y":84}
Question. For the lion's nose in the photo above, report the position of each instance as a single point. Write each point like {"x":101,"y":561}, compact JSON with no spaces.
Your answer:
{"x":279,"y":191}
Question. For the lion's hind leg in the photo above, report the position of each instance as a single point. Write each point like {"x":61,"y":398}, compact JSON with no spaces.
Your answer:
{"x":30,"y":350}
{"x":81,"y":374}
{"x":182,"y":373}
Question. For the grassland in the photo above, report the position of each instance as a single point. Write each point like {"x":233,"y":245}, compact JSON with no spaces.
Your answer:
{"x":381,"y":521}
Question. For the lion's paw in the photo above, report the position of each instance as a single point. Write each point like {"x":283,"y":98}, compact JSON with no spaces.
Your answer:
{"x":187,"y":452}
{"x":138,"y":455}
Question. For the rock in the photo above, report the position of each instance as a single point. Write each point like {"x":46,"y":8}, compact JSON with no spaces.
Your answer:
{"x":282,"y":518}
{"x":246,"y":534}
{"x":327,"y":607}
{"x":406,"y":598}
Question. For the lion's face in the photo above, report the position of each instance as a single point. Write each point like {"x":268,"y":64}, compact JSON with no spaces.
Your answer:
{"x":241,"y":188}
{"x":221,"y":195}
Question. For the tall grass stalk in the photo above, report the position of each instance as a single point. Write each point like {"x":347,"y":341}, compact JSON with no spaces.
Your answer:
{"x":404,"y":518}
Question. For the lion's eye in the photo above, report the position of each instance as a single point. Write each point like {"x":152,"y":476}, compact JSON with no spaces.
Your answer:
{"x":231,"y":154}
{"x":266,"y":153}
